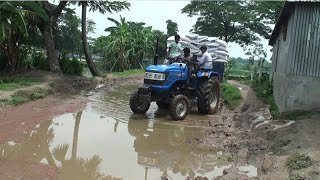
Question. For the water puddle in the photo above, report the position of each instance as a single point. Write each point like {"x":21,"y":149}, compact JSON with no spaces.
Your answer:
{"x":106,"y":141}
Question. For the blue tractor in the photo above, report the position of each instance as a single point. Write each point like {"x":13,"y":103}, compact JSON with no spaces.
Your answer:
{"x":170,"y":87}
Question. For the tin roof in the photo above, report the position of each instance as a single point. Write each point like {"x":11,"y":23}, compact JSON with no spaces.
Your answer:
{"x":286,"y":12}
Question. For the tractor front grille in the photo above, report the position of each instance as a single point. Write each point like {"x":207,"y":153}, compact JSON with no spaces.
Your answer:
{"x":154,"y":82}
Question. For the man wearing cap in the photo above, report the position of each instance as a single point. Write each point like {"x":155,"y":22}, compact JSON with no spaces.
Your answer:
{"x":206,"y":59}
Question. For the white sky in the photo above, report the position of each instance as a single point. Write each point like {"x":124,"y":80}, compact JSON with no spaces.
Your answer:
{"x":155,"y":13}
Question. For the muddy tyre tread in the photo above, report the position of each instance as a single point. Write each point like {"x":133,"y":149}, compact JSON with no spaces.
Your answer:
{"x":134,"y":104}
{"x":205,"y":89}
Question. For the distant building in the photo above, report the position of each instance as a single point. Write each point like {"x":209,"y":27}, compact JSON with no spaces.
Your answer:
{"x":296,"y":57}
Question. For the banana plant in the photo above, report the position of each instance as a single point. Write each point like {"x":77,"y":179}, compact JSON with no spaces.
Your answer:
{"x":14,"y":17}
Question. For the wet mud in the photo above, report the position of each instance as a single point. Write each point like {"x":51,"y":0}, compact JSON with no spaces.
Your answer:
{"x":100,"y":138}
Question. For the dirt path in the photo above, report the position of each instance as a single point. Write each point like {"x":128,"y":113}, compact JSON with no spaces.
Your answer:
{"x":251,"y":143}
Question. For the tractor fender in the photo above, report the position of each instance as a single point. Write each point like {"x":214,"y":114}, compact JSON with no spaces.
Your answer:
{"x":207,"y":73}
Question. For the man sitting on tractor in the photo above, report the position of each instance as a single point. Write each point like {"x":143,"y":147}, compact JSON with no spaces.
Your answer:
{"x":206,"y":59}
{"x":187,"y":58}
{"x":174,"y":49}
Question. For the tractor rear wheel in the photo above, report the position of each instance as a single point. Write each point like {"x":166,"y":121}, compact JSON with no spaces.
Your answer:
{"x":162,"y":105}
{"x":138,"y":105}
{"x":179,"y":107}
{"x":209,"y":96}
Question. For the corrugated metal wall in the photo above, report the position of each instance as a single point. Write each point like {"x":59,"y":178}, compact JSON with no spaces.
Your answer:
{"x":304,"y":56}
{"x":281,"y":49}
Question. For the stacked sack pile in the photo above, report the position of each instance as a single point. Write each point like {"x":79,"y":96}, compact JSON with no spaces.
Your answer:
{"x":216,"y":48}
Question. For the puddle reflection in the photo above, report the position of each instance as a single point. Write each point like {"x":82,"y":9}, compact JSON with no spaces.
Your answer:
{"x":106,"y":141}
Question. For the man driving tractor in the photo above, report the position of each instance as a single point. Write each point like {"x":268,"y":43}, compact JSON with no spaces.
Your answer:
{"x":206,"y":59}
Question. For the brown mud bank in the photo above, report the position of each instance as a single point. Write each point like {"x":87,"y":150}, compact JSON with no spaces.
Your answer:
{"x":249,"y":136}
{"x":96,"y":120}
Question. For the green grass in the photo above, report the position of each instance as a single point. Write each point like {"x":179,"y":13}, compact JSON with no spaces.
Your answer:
{"x":23,"y":96}
{"x":296,"y":177}
{"x":264,"y":91}
{"x":298,"y":161}
{"x":231,"y":95}
{"x":128,"y":73}
{"x":8,"y":84}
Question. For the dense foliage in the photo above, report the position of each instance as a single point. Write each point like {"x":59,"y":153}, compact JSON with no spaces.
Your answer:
{"x":128,"y":44}
{"x":38,"y":33}
{"x":234,"y":21}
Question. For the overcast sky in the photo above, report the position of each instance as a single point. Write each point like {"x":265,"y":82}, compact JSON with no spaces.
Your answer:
{"x":155,"y":13}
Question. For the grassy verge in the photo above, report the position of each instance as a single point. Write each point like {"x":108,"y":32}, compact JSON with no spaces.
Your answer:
{"x":23,"y":96}
{"x":8,"y":84}
{"x":298,"y":161}
{"x":128,"y":73}
{"x":231,"y":95}
{"x":264,"y":92}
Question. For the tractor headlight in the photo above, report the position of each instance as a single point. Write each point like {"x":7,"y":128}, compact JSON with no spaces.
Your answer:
{"x":155,"y":76}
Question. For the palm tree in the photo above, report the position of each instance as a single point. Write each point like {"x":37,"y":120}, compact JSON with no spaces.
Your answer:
{"x":102,"y":7}
{"x":13,"y":26}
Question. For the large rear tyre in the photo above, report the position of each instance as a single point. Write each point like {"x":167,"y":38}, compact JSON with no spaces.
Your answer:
{"x":162,"y":105}
{"x":179,"y":107}
{"x":209,"y":91}
{"x":138,"y":105}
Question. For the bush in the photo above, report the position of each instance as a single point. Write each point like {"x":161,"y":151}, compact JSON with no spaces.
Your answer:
{"x":298,"y":161}
{"x":231,"y":95}
{"x":2,"y":62}
{"x":264,"y":90}
{"x":72,"y":67}
{"x":23,"y":96}
{"x":40,"y":61}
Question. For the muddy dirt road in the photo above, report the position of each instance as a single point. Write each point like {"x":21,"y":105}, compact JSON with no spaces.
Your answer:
{"x":96,"y":136}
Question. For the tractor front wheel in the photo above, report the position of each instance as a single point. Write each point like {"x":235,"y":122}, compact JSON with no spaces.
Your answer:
{"x":139,"y":105}
{"x":179,"y":107}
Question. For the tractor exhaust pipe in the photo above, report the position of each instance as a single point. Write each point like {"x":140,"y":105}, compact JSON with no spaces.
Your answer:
{"x":156,"y":56}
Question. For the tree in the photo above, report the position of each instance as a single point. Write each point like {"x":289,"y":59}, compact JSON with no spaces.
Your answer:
{"x":102,"y":7}
{"x":267,"y":11}
{"x":46,"y":28}
{"x":119,"y":37}
{"x":129,"y":43}
{"x":162,"y":43}
{"x":68,"y":36}
{"x":172,"y":28}
{"x":256,"y":53}
{"x":13,"y":23}
{"x":236,"y":21}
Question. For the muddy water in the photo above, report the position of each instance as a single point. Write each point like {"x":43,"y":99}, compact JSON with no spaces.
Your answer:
{"x":107,"y":140}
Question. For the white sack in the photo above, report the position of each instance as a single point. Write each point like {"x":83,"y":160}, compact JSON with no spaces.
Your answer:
{"x":192,"y":36}
{"x":220,"y":60}
{"x":222,"y":53}
{"x":186,"y":39}
{"x":212,"y":45}
{"x":222,"y":43}
{"x":212,"y":39}
{"x":212,"y":50}
{"x":222,"y":57}
{"x":223,"y":49}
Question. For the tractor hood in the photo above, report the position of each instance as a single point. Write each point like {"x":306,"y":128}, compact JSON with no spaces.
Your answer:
{"x":166,"y":68}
